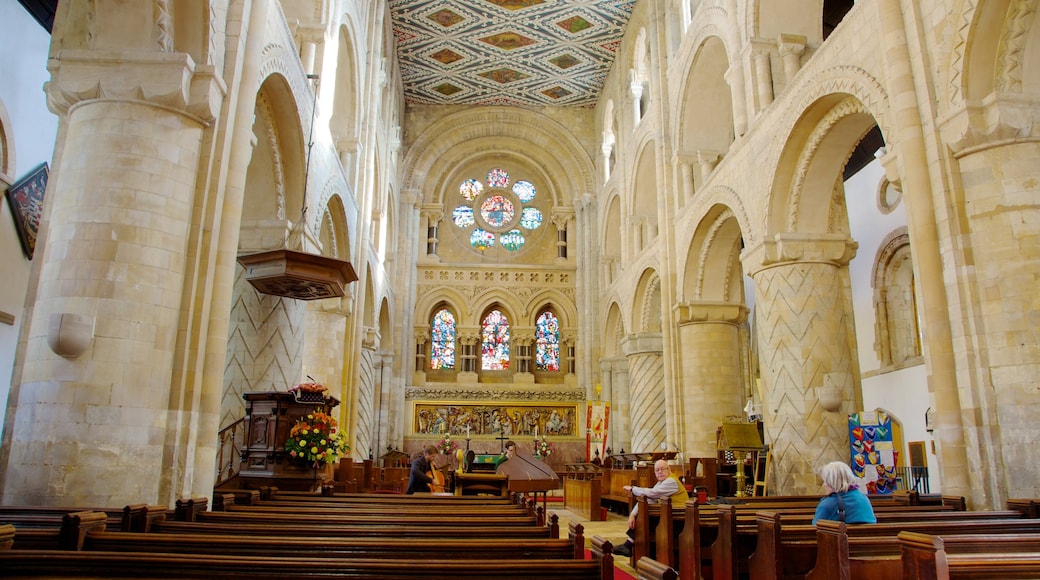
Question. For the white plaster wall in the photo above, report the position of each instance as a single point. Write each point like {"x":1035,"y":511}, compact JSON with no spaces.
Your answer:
{"x":903,"y":393}
{"x":23,"y":70}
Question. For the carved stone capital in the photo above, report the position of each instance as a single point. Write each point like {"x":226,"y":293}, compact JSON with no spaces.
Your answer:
{"x":561,"y":216}
{"x":168,"y":80}
{"x":643,"y":343}
{"x":710,"y":312}
{"x":1000,"y":119}
{"x":834,"y":249}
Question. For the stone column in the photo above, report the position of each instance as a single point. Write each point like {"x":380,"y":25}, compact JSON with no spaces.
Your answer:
{"x":363,"y":429}
{"x":710,"y":371}
{"x":324,"y":338}
{"x":95,"y":393}
{"x":806,"y":333}
{"x":791,"y":47}
{"x":621,"y":414}
{"x":562,"y":218}
{"x":735,"y":79}
{"x":647,"y":404}
{"x":431,"y":216}
{"x":686,"y":180}
{"x":761,"y":50}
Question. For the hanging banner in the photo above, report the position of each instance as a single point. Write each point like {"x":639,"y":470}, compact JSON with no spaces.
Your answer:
{"x":598,"y":426}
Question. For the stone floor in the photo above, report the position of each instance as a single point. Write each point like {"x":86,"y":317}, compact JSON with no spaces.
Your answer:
{"x":613,"y":529}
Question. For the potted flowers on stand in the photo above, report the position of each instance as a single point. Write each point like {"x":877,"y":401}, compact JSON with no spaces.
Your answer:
{"x":447,"y":446}
{"x":543,"y":448}
{"x":316,"y":440}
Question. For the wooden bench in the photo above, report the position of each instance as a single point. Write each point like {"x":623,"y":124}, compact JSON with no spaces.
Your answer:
{"x":582,"y":491}
{"x":792,"y":550}
{"x":147,"y":565}
{"x":926,"y":557}
{"x":839,"y":556}
{"x":382,"y":531}
{"x":612,"y":489}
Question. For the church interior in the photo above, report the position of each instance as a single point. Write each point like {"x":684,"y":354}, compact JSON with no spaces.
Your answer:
{"x":592,"y":227}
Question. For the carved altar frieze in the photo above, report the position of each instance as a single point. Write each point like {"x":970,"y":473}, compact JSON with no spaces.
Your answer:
{"x":463,"y":393}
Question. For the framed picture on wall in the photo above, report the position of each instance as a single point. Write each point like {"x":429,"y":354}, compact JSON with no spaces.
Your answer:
{"x":25,"y":198}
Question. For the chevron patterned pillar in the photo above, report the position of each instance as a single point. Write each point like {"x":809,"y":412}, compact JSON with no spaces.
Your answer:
{"x":646,"y":385}
{"x":806,"y":334}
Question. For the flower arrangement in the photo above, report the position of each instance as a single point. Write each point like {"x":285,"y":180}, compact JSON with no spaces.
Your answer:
{"x":544,"y":448}
{"x":309,"y":392}
{"x":447,"y":446}
{"x":315,"y":438}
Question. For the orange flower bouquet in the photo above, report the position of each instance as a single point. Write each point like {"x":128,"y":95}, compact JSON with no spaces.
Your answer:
{"x":315,"y":438}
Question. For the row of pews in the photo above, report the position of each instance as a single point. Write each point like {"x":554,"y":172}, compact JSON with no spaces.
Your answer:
{"x":277,"y":534}
{"x":772,"y":538}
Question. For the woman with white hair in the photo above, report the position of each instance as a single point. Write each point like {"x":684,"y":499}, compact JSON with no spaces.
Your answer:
{"x":844,"y":501}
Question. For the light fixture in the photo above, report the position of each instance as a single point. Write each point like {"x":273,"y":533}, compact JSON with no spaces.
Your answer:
{"x":292,"y":273}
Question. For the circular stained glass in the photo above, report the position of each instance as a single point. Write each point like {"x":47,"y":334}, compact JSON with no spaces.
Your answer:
{"x":463,"y":216}
{"x":497,"y":178}
{"x":497,"y":211}
{"x":530,"y":218}
{"x":481,"y":239}
{"x":470,"y":189}
{"x":512,"y":240}
{"x":524,"y":190}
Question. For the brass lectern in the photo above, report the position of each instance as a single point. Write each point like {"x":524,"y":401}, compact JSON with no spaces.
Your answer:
{"x":741,"y":439}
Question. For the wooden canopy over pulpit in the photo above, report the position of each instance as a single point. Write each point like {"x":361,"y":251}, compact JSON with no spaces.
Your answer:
{"x":269,"y":418}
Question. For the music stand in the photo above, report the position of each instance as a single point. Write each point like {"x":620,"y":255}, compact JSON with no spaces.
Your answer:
{"x":741,"y":439}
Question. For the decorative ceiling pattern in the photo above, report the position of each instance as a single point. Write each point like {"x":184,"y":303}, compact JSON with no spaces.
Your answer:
{"x":507,"y":52}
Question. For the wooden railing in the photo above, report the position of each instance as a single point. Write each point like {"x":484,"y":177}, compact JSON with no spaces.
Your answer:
{"x":229,"y":451}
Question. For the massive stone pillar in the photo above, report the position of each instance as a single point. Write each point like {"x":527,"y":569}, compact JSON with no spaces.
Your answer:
{"x":806,"y":335}
{"x":93,"y":401}
{"x":647,"y":411}
{"x":711,"y":372}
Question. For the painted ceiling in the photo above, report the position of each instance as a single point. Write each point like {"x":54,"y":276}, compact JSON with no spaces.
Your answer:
{"x":507,"y":52}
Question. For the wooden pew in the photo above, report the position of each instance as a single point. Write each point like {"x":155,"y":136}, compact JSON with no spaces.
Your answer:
{"x":792,"y":550}
{"x":582,"y":491}
{"x":146,"y":565}
{"x":612,"y":493}
{"x":382,"y":531}
{"x":925,"y":557}
{"x":338,"y":519}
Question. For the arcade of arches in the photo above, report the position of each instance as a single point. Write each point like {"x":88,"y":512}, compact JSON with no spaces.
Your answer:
{"x":803,"y":208}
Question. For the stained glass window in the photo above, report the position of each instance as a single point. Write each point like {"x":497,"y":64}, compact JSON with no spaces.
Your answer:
{"x":497,"y":178}
{"x":530,"y":218}
{"x":497,"y":211}
{"x":494,"y":346}
{"x":463,"y":216}
{"x":481,"y":239}
{"x":442,"y":351}
{"x":512,"y":240}
{"x":524,"y":190}
{"x":547,"y":342}
{"x":470,"y":189}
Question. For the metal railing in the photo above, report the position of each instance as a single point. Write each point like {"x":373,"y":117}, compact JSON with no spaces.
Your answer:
{"x":913,"y":479}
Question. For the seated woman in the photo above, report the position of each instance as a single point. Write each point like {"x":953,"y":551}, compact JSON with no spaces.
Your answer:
{"x":844,"y":501}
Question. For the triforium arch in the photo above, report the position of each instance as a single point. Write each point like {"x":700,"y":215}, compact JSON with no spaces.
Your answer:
{"x":802,"y":296}
{"x":644,"y":349}
{"x":614,"y":375}
{"x":706,"y":115}
{"x":713,"y":340}
{"x":643,"y":218}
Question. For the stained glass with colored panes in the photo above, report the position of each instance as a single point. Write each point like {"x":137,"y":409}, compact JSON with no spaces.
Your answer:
{"x":547,"y":342}
{"x":494,"y":345}
{"x":442,"y":350}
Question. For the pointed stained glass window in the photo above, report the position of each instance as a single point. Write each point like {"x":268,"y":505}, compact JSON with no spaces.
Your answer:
{"x":547,"y":342}
{"x":481,"y":239}
{"x":463,"y":216}
{"x":512,"y":240}
{"x":442,"y":349}
{"x":494,"y":344}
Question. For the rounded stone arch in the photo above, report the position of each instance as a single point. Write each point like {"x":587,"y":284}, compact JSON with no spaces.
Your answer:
{"x":706,"y":129}
{"x":333,"y":232}
{"x":545,"y":141}
{"x":610,"y":242}
{"x":275,"y":175}
{"x":834,"y":113}
{"x":386,"y":326}
{"x":713,"y":271}
{"x":770,"y":18}
{"x":647,"y":312}
{"x":194,"y":29}
{"x":368,"y":314}
{"x":561,"y":305}
{"x":642,"y":207}
{"x":345,"y":122}
{"x":7,"y":148}
{"x":433,"y":300}
{"x":493,"y":299}
{"x":613,"y":330}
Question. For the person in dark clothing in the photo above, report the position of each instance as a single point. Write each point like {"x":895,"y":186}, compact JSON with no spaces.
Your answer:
{"x":419,"y":479}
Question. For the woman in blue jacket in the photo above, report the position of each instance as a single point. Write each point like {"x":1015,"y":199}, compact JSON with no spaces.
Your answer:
{"x":844,"y":501}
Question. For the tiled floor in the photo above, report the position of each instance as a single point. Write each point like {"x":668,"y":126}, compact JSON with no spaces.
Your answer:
{"x":613,"y":529}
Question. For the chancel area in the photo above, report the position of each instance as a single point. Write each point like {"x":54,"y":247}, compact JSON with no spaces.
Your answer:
{"x":749,"y":237}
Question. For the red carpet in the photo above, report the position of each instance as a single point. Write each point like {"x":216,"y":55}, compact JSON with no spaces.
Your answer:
{"x":619,"y":574}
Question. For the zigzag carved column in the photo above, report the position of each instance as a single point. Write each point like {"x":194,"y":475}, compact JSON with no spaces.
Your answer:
{"x":646,"y":385}
{"x":804,"y":329}
{"x":363,"y":428}
{"x":710,"y":371}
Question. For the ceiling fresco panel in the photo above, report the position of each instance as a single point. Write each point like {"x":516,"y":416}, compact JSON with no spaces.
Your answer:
{"x":507,"y":52}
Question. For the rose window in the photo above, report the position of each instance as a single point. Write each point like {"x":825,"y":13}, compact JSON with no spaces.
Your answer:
{"x":497,"y":210}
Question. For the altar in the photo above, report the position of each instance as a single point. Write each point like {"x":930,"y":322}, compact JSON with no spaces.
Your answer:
{"x":269,"y":418}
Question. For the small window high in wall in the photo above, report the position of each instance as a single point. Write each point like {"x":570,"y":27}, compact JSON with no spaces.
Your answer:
{"x":833,"y":13}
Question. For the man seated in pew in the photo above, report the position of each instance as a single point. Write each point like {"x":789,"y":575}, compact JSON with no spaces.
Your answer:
{"x":668,"y":485}
{"x":844,"y":501}
{"x":420,"y":478}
